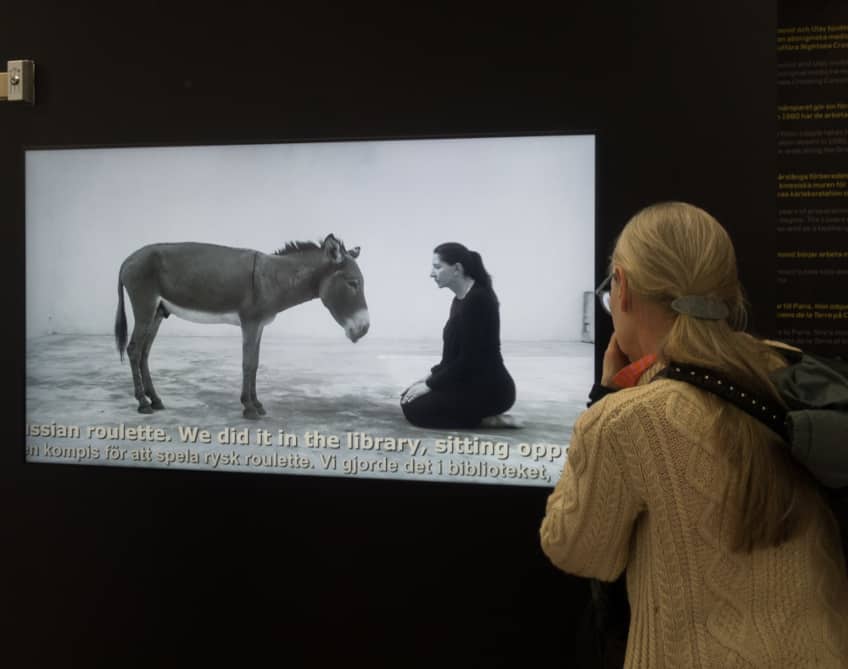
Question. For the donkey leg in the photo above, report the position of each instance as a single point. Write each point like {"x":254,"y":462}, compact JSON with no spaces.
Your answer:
{"x":259,"y":408}
{"x":250,"y":333}
{"x":134,"y":351}
{"x":149,"y":390}
{"x":144,"y":312}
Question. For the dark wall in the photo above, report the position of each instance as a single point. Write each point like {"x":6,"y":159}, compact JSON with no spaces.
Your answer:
{"x":112,"y":567}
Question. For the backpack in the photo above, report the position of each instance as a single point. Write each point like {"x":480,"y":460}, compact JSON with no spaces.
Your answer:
{"x":815,"y":389}
{"x":814,"y":426}
{"x":815,"y":423}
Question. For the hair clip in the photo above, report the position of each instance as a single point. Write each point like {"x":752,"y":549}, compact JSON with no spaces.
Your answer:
{"x":698,"y":306}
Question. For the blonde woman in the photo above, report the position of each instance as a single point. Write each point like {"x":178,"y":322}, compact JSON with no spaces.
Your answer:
{"x":732,"y":559}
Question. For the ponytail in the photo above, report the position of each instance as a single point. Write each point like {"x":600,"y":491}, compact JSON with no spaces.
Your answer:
{"x":477,"y":271}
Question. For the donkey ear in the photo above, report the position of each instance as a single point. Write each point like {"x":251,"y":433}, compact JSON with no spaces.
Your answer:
{"x":354,"y":252}
{"x":334,"y":249}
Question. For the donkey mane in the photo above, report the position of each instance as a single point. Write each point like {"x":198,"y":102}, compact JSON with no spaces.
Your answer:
{"x":296,"y":247}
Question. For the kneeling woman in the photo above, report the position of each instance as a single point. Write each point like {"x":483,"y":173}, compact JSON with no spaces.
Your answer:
{"x":470,"y":387}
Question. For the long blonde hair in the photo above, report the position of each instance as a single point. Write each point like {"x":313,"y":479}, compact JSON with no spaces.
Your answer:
{"x":673,"y":249}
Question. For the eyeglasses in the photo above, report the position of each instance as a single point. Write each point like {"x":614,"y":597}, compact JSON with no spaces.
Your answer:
{"x":603,"y":293}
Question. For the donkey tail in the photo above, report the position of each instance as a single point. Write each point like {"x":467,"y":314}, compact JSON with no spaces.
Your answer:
{"x":121,"y":322}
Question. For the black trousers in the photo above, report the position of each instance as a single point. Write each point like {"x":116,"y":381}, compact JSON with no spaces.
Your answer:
{"x":460,"y":408}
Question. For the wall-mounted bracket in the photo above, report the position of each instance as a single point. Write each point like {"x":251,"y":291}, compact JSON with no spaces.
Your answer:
{"x":17,"y":84}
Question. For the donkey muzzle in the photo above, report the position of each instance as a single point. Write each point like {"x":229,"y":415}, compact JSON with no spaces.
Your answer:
{"x":357,"y":325}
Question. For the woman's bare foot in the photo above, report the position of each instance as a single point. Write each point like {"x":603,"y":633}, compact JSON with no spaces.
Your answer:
{"x":501,"y":420}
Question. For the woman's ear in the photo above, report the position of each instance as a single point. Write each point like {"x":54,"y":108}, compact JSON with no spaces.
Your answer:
{"x":624,"y":296}
{"x":459,"y":268}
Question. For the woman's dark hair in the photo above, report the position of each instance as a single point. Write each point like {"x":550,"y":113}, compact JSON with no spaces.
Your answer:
{"x":472,"y":263}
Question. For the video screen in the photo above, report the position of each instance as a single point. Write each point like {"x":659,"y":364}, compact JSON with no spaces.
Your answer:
{"x":280,"y":308}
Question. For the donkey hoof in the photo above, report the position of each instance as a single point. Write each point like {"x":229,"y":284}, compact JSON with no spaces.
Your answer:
{"x":157,"y":405}
{"x":251,"y":413}
{"x":145,"y":408}
{"x":260,"y":410}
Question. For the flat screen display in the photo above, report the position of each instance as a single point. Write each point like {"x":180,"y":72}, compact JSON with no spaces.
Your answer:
{"x":262,"y":308}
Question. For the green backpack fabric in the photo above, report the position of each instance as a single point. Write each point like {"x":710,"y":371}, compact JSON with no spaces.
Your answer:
{"x":814,"y":426}
{"x":815,"y":390}
{"x":815,"y":423}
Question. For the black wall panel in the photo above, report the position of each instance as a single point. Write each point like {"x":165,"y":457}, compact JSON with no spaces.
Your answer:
{"x":112,"y":567}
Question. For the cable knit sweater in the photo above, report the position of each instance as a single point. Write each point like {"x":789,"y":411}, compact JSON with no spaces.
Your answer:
{"x":641,"y":491}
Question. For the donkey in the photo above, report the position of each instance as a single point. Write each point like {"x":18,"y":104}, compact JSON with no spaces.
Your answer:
{"x":207,"y":283}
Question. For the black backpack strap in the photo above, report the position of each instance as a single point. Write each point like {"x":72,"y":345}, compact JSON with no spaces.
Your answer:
{"x":765,"y":411}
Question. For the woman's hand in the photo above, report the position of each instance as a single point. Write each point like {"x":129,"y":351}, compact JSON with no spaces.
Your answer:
{"x":614,"y":362}
{"x":414,"y":383}
{"x":414,"y":391}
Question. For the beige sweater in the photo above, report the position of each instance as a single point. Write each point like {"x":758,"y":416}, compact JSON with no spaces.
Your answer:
{"x":641,"y":491}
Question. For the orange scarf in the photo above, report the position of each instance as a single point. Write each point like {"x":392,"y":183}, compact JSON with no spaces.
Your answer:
{"x":629,"y":376}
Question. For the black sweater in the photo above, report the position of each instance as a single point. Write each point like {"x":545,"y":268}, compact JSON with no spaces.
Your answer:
{"x":471,"y":352}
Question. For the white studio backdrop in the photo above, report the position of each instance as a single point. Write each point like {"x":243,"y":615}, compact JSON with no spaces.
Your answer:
{"x":525,"y":203}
